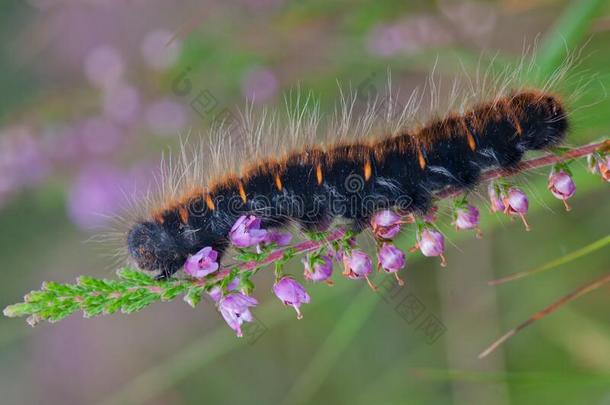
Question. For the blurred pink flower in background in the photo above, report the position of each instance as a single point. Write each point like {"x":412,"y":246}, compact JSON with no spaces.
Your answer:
{"x":97,"y":193}
{"x":262,"y":5}
{"x":122,"y":103}
{"x":73,"y":29}
{"x":101,"y":191}
{"x":42,"y":4}
{"x":160,"y":49}
{"x":410,"y":35}
{"x":62,"y":143}
{"x":100,"y":136}
{"x":259,"y":85}
{"x":22,"y":160}
{"x":166,"y":117}
{"x":24,"y":152}
{"x":473,"y":19}
{"x":104,"y":66}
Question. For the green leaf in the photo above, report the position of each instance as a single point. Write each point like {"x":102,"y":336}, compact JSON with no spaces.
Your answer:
{"x":193,"y":296}
{"x":135,"y":277}
{"x":577,"y":254}
{"x":567,"y":33}
{"x":15,"y":310}
{"x":172,"y":292}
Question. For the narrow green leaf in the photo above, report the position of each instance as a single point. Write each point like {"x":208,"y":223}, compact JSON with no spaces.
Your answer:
{"x":193,"y":296}
{"x":577,"y":254}
{"x":567,"y":33}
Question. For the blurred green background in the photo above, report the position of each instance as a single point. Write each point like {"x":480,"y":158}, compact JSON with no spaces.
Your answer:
{"x":91,"y":93}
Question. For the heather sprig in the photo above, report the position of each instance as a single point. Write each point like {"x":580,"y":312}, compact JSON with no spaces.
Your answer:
{"x":231,"y":287}
{"x":130,"y":292}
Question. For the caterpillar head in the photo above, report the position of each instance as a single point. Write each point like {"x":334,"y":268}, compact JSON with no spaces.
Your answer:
{"x":154,"y":249}
{"x":543,"y":119}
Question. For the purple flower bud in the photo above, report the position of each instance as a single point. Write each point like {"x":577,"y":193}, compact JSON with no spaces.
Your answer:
{"x":279,"y":238}
{"x":386,"y":224}
{"x":321,"y":271}
{"x":391,"y":259}
{"x":562,"y":186}
{"x":430,"y":216}
{"x":432,"y":243}
{"x":517,"y":204}
{"x":291,"y":293}
{"x":216,"y":292}
{"x":467,"y":217}
{"x":202,"y":263}
{"x":357,"y":264}
{"x":246,"y":232}
{"x":494,"y":197}
{"x":235,"y":309}
{"x":516,"y":201}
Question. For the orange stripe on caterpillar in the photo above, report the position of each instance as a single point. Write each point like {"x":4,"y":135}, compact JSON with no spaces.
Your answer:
{"x":209,"y":203}
{"x":420,"y":159}
{"x":319,"y":176}
{"x":242,"y":192}
{"x":367,"y":170}
{"x":184,"y":214}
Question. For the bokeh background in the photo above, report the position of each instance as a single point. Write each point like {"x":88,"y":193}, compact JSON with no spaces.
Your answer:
{"x":92,"y":92}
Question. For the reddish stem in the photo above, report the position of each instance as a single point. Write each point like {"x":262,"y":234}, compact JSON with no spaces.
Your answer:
{"x":546,"y":160}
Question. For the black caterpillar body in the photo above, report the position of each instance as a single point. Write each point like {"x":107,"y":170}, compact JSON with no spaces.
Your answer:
{"x":312,"y":186}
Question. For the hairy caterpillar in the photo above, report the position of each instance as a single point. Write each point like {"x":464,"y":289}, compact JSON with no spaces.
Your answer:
{"x":352,"y":178}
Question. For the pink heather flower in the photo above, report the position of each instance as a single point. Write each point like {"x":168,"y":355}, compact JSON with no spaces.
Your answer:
{"x":291,"y":293}
{"x":386,"y":224}
{"x":517,"y":204}
{"x":516,"y":201}
{"x":467,"y":217}
{"x":495,"y":198}
{"x":246,"y":232}
{"x":357,"y":264}
{"x":432,"y":243}
{"x":216,"y":292}
{"x":235,"y":309}
{"x":279,"y":238}
{"x":562,"y":186}
{"x":202,"y":263}
{"x":391,"y":259}
{"x":321,"y":271}
{"x":430,"y":215}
